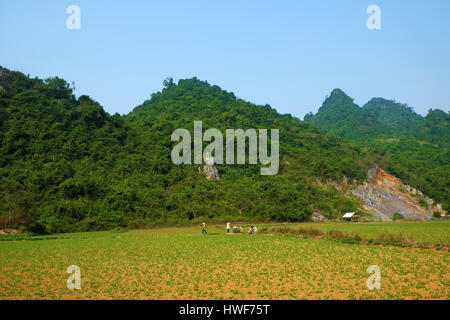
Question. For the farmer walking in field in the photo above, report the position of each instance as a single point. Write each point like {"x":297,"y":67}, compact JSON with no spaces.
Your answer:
{"x":203,"y":228}
{"x":228,"y":227}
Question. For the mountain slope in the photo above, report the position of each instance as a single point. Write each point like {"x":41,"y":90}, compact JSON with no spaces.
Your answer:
{"x":67,"y":165}
{"x":399,"y":117}
{"x":339,"y":115}
{"x":412,"y":147}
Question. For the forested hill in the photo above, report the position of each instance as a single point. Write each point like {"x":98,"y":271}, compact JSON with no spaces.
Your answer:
{"x":414,"y":148}
{"x":67,"y":165}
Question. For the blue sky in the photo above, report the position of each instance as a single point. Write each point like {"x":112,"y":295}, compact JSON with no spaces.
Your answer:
{"x":289,"y":54}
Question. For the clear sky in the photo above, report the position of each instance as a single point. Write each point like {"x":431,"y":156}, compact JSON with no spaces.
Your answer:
{"x":289,"y":54}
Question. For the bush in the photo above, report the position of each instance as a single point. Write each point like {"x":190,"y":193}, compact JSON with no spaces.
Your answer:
{"x":346,"y":237}
{"x":436,"y":214}
{"x":394,"y":239}
{"x":397,"y":216}
{"x":281,"y":229}
{"x":423,"y":203}
{"x":335,"y":234}
{"x":263,"y":230}
{"x":308,"y":232}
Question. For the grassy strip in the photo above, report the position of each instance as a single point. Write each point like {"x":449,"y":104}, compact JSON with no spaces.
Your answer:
{"x":384,"y":238}
{"x":16,"y":237}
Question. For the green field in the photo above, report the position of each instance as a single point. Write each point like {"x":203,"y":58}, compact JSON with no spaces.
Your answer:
{"x":180,"y":263}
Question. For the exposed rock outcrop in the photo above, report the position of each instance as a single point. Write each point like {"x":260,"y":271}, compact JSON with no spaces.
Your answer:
{"x":318,"y":217}
{"x":210,"y":169}
{"x":9,"y":231}
{"x":385,"y":195}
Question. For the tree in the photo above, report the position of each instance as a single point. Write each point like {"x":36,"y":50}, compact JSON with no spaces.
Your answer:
{"x":168,"y":83}
{"x":16,"y":201}
{"x":59,"y":87}
{"x":436,"y":214}
{"x":397,"y":216}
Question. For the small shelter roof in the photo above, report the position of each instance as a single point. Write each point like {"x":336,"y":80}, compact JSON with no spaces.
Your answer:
{"x":348,"y":215}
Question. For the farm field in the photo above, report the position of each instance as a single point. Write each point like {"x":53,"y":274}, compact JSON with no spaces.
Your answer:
{"x":181,"y":263}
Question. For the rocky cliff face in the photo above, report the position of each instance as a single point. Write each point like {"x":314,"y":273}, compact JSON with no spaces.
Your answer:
{"x":210,"y":169}
{"x":211,"y":172}
{"x":385,"y":195}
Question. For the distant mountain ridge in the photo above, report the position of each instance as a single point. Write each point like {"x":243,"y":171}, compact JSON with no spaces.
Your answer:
{"x":413,"y":147}
{"x":400,"y":116}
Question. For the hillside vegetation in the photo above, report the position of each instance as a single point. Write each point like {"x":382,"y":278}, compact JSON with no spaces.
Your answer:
{"x":67,"y":165}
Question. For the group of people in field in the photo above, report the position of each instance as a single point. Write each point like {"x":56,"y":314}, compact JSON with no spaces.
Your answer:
{"x":236,"y":229}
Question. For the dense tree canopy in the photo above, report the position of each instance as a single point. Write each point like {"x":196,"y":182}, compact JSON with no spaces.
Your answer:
{"x":67,"y":165}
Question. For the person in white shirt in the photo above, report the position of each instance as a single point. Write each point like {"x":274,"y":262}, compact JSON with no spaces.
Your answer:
{"x":228,"y":227}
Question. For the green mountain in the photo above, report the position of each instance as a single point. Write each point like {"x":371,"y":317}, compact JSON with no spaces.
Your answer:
{"x":67,"y":165}
{"x":412,"y":147}
{"x":399,"y":117}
